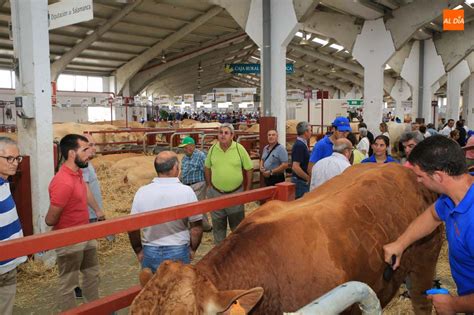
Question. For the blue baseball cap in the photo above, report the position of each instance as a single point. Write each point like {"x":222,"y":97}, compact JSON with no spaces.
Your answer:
{"x":342,"y":124}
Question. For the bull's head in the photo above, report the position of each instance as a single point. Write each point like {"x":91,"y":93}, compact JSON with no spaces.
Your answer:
{"x":181,"y":289}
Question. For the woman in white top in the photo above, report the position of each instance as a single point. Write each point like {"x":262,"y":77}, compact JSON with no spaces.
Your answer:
{"x":364,"y":143}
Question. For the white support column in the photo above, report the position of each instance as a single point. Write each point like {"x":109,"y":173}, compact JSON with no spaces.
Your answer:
{"x":31,"y":46}
{"x":455,"y":78}
{"x":283,"y":27}
{"x":410,"y":73}
{"x":433,"y":71}
{"x":469,"y":102}
{"x":372,"y":49}
{"x":400,"y":92}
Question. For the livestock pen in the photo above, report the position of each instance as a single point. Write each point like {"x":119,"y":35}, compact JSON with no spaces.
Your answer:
{"x":50,"y":240}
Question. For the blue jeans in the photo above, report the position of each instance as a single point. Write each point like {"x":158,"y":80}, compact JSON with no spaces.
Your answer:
{"x":301,"y":188}
{"x":153,"y":256}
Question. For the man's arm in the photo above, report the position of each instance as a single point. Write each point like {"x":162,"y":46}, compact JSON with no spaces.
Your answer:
{"x":196,"y":234}
{"x":310,"y":167}
{"x":422,"y":226}
{"x":53,"y":215}
{"x":248,"y":180}
{"x":93,"y":203}
{"x":136,"y":242}
{"x":280,"y":169}
{"x":448,"y":304}
{"x":296,"y":167}
{"x":207,"y":176}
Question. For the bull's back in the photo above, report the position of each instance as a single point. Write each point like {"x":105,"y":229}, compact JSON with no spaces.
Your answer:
{"x":334,"y":234}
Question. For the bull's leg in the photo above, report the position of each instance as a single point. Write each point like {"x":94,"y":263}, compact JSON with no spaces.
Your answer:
{"x":423,"y":270}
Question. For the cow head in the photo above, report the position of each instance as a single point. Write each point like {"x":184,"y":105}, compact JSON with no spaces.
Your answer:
{"x":181,"y":289}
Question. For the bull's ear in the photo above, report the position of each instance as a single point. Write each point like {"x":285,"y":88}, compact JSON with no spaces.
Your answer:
{"x":145,"y":276}
{"x":238,"y":302}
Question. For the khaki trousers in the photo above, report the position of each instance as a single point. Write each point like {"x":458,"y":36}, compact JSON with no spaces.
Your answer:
{"x":7,"y":292}
{"x":72,"y":260}
{"x":234,"y":215}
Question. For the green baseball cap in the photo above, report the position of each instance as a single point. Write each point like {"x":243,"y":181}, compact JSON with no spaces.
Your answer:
{"x":186,"y":141}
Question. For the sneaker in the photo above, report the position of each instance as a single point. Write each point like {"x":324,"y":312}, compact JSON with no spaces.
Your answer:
{"x":78,"y":293}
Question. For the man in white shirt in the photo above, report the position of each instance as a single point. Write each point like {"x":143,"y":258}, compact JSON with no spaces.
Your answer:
{"x":171,"y":240}
{"x":332,"y":165}
{"x":448,"y":128}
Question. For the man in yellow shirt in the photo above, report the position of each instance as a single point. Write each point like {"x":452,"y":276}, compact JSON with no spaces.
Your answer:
{"x":225,"y":165}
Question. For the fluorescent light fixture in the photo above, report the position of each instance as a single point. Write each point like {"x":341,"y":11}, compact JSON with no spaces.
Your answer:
{"x":320,"y":41}
{"x":256,"y":58}
{"x":336,"y":47}
{"x":299,"y":34}
{"x":458,"y":7}
{"x":387,"y":67}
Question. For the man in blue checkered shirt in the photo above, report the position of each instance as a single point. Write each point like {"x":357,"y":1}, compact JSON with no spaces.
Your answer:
{"x":192,"y":173}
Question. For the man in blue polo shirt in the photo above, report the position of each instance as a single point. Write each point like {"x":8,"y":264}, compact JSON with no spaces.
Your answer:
{"x":439,"y":164}
{"x":299,"y":159}
{"x":323,"y":148}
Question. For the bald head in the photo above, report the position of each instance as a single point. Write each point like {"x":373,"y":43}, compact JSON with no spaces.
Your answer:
{"x":167,"y":164}
{"x":342,"y":144}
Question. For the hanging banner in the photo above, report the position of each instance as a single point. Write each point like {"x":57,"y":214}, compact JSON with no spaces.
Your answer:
{"x":164,"y":99}
{"x":69,"y":12}
{"x":294,"y":95}
{"x":188,"y":98}
{"x":236,"y":97}
{"x":210,"y":97}
{"x":178,"y":99}
{"x":205,"y":99}
{"x":221,"y":97}
{"x":247,"y":97}
{"x":251,"y":68}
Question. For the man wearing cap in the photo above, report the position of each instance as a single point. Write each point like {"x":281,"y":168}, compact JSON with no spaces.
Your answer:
{"x":192,"y":173}
{"x":323,"y":148}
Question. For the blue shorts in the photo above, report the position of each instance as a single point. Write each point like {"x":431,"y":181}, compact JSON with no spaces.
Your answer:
{"x":153,"y":256}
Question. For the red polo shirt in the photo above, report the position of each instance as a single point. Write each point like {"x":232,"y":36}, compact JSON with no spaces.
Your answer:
{"x":68,"y":190}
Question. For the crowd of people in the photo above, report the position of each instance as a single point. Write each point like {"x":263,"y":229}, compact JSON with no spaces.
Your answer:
{"x":232,"y":117}
{"x":435,"y":156}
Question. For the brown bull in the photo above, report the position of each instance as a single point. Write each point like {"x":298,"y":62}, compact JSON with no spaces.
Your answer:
{"x":294,"y":252}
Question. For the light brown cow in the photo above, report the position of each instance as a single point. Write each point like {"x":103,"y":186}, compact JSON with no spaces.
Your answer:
{"x":298,"y":251}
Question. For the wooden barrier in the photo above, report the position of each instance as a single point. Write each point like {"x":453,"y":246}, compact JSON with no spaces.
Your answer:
{"x":55,"y":239}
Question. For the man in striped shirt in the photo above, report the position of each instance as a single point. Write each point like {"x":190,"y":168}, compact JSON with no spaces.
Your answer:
{"x":10,"y":227}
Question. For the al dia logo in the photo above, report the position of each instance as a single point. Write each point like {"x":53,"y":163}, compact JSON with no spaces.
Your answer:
{"x":453,"y":20}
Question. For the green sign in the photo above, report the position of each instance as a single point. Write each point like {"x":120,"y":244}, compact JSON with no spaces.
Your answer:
{"x":251,"y":68}
{"x":355,"y":102}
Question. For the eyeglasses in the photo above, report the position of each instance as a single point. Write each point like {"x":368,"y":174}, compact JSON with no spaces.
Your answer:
{"x":225,"y":132}
{"x":11,"y":159}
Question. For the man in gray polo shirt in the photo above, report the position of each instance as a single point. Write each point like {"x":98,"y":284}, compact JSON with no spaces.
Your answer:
{"x":274,"y":160}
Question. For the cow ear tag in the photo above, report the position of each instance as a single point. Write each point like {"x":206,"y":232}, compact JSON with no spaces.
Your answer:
{"x":237,"y":309}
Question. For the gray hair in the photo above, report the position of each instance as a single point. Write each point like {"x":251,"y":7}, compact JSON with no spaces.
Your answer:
{"x":415,"y":135}
{"x":164,"y":166}
{"x":301,"y":127}
{"x":340,"y":147}
{"x":363,"y":132}
{"x":227,"y":125}
{"x":4,"y":141}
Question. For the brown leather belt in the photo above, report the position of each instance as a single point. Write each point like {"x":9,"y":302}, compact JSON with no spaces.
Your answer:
{"x":225,"y":192}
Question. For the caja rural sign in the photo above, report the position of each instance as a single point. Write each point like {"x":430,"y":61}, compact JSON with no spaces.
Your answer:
{"x":251,"y":68}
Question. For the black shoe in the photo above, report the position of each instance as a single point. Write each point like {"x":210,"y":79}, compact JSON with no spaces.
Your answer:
{"x":78,"y":293}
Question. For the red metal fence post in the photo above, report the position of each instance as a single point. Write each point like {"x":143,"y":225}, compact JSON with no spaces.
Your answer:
{"x":285,"y":191}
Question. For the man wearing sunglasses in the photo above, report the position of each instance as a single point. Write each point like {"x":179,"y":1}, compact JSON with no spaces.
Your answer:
{"x":10,"y":227}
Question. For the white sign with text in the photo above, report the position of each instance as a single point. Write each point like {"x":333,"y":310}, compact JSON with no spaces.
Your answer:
{"x":69,"y":12}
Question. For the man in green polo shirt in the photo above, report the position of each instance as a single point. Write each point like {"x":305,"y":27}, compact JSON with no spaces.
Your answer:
{"x":224,"y":167}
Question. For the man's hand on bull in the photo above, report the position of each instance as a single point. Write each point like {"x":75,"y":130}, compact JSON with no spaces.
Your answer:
{"x":443,"y":303}
{"x":393,"y":249}
{"x":100,"y":215}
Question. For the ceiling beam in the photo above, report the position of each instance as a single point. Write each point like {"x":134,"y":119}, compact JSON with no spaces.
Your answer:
{"x":59,"y":65}
{"x":127,"y":71}
{"x":144,"y":77}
